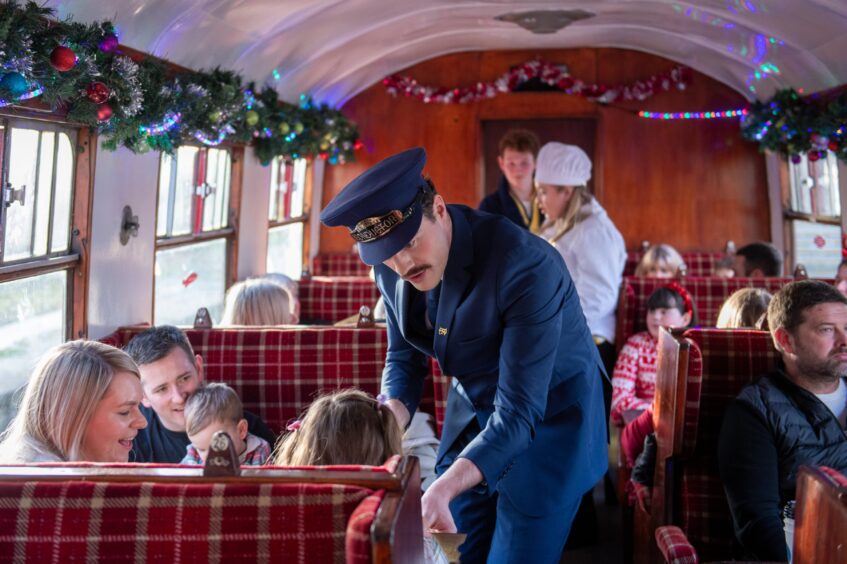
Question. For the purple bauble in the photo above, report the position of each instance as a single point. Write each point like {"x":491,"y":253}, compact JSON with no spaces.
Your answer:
{"x":109,"y":43}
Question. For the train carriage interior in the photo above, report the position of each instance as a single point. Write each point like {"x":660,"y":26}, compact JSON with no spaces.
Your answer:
{"x":159,"y":160}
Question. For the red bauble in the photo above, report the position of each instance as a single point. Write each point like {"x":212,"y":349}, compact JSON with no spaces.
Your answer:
{"x":813,"y":156}
{"x":63,"y":58}
{"x":97,"y":92}
{"x":833,"y":146}
{"x":104,"y":112}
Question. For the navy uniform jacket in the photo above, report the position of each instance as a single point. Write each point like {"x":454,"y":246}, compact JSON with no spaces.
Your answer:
{"x":511,"y":331}
{"x":502,"y":203}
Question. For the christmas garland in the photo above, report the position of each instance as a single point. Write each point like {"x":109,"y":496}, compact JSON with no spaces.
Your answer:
{"x":79,"y":69}
{"x":790,"y":125}
{"x":555,"y":76}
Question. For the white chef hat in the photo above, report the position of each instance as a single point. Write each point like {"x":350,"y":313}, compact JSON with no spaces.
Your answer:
{"x":562,"y":165}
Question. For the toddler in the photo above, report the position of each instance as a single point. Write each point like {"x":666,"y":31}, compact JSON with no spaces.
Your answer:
{"x":661,"y":261}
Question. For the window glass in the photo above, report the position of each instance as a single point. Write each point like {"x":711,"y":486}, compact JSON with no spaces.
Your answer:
{"x":187,"y":278}
{"x":285,"y":250}
{"x":288,"y":186}
{"x":166,"y":163}
{"x":184,"y":191}
{"x":32,"y":320}
{"x":814,"y":186}
{"x":216,"y":205}
{"x":64,"y":192}
{"x":43,"y":193}
{"x":22,"y":173}
{"x":817,"y":246}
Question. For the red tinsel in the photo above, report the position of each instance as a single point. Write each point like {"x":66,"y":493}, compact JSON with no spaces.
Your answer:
{"x":556,"y":76}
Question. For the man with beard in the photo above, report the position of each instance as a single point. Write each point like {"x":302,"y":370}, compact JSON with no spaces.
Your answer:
{"x":795,"y":415}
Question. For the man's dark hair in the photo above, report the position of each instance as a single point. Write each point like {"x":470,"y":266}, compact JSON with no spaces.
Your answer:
{"x":156,"y":343}
{"x":426,"y":197}
{"x":763,"y":256}
{"x":788,"y":305}
{"x":520,"y":140}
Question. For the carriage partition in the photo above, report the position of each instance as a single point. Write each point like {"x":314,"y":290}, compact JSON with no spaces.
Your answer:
{"x":131,"y":512}
{"x":687,"y":490}
{"x":820,"y":516}
{"x":327,"y":300}
{"x":339,"y":264}
{"x":708,"y":294}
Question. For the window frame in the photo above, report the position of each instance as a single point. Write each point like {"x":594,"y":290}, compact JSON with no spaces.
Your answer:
{"x":75,"y":260}
{"x":303,"y":218}
{"x":228,"y":233}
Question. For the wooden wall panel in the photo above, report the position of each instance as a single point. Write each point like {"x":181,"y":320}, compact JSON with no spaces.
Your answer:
{"x":691,"y":184}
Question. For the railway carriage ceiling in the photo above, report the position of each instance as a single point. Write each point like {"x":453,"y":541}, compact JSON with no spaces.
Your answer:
{"x":334,"y":49}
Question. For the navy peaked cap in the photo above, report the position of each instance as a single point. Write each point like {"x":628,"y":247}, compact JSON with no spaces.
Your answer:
{"x":381,"y":207}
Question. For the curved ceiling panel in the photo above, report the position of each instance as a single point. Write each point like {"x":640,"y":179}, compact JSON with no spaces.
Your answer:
{"x":334,"y":49}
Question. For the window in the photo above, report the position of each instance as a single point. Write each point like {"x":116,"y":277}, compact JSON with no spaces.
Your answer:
{"x":813,"y":214}
{"x":287,"y":216}
{"x":39,"y":218}
{"x":194,"y":249}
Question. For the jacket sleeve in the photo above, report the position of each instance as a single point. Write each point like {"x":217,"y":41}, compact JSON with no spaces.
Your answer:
{"x":405,"y":366}
{"x":531,"y":293}
{"x":749,"y":467}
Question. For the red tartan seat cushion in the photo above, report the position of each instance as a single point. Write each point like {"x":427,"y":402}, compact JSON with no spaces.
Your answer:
{"x":708,"y":294}
{"x":329,"y":300}
{"x":721,"y":363}
{"x":339,"y":264}
{"x":675,"y":546}
{"x":144,"y":521}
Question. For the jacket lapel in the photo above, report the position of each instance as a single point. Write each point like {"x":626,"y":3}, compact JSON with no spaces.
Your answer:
{"x":455,"y":281}
{"x":402,"y":295}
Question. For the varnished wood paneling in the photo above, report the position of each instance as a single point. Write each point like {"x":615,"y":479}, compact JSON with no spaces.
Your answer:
{"x":691,"y":184}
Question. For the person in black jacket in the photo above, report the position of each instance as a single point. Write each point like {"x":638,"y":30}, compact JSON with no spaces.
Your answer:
{"x":170,"y":373}
{"x":515,"y":195}
{"x":793,"y":416}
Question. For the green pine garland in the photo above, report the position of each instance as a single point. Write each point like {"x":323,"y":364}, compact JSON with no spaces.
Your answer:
{"x":211,"y":105}
{"x":790,"y":124}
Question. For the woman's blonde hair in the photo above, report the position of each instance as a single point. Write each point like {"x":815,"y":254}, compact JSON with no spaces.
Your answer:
{"x":656,"y":255}
{"x":743,"y":309}
{"x":60,"y":399}
{"x":344,"y":427}
{"x":572,"y":214}
{"x":256,"y":301}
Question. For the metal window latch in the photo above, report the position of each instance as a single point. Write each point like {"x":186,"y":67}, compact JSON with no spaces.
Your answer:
{"x":129,"y":225}
{"x":11,"y":195}
{"x":204,"y":190}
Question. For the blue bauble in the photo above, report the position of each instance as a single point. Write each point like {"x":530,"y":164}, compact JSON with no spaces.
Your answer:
{"x":15,"y":83}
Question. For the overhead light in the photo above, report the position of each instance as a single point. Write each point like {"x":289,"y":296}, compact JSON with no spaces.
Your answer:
{"x":544,"y":21}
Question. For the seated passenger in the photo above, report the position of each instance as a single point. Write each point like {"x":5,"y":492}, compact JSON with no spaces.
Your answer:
{"x":634,"y":377}
{"x":515,"y":196}
{"x":170,"y":373}
{"x":794,"y":415}
{"x":723,"y":267}
{"x":757,"y":260}
{"x":660,"y":261}
{"x":293,"y":290}
{"x":81,"y":404}
{"x":216,"y":407}
{"x":256,"y":301}
{"x":841,"y":277}
{"x":743,"y":309}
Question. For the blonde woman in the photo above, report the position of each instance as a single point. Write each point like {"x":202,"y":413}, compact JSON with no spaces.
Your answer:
{"x":660,"y":261}
{"x":81,"y":404}
{"x":579,"y":228}
{"x":257,"y":301}
{"x":743,"y":309}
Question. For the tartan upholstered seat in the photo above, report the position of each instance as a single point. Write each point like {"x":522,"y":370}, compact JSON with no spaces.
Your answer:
{"x":720,"y":364}
{"x":327,"y":300}
{"x":141,"y":513}
{"x":708,"y":294}
{"x":339,"y":264}
{"x":696,"y":264}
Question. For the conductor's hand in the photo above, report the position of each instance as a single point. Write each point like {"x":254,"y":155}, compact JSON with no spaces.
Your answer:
{"x":436,"y":511}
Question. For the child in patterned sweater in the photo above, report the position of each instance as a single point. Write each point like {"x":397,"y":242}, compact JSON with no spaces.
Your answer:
{"x":634,"y":377}
{"x":216,"y":407}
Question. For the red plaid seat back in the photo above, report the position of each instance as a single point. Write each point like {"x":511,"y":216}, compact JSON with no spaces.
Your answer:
{"x":327,"y":300}
{"x":708,"y":294}
{"x":721,"y":363}
{"x":339,"y":264}
{"x":696,"y":264}
{"x":63,"y":521}
{"x":440,"y":388}
{"x":278,"y":372}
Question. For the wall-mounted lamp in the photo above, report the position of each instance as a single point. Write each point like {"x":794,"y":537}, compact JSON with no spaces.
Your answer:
{"x":129,"y":225}
{"x":544,"y":21}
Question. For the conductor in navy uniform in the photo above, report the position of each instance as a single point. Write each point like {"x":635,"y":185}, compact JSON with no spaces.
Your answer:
{"x":524,"y":433}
